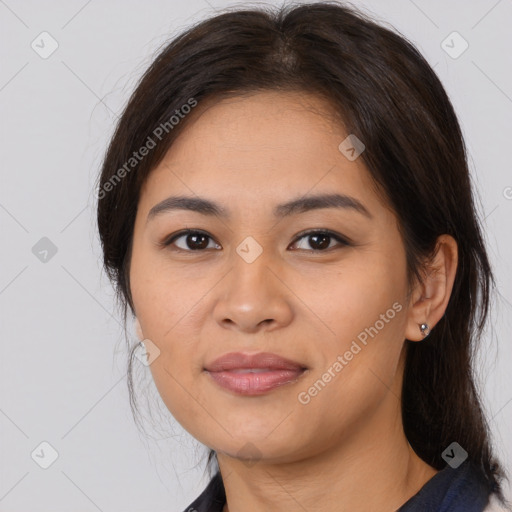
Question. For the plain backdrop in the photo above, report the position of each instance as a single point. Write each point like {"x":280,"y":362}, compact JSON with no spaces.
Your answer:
{"x":63,"y":356}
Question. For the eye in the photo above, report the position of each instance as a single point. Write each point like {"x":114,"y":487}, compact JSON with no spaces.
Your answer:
{"x":320,"y":240}
{"x":195,"y":240}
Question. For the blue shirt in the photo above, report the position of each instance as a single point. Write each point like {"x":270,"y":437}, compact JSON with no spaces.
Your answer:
{"x":463,"y":489}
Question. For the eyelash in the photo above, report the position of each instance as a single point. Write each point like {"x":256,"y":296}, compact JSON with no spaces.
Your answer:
{"x":344,"y":242}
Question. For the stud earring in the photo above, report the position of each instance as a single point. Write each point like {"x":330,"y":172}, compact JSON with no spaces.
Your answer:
{"x":425,"y":329}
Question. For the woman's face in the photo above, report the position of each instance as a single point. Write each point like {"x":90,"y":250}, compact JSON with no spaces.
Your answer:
{"x":255,"y":282}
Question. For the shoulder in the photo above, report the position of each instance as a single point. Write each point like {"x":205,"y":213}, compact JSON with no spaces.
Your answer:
{"x":495,"y":505}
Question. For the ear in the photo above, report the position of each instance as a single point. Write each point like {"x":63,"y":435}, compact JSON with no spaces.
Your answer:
{"x":138,"y":329}
{"x":430,"y":297}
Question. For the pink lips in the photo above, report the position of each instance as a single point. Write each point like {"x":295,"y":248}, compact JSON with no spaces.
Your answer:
{"x":253,"y":374}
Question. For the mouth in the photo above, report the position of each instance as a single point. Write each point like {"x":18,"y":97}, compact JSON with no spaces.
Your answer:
{"x":254,"y":381}
{"x":253,"y":374}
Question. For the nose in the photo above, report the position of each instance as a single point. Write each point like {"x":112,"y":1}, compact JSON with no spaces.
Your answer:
{"x":253,"y":297}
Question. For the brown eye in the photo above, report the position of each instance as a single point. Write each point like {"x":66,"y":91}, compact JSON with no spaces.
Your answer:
{"x":321,"y":240}
{"x":318,"y":241}
{"x":192,"y":241}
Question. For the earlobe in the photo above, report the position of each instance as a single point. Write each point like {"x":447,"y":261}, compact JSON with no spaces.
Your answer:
{"x":138,"y":329}
{"x":431,"y":295}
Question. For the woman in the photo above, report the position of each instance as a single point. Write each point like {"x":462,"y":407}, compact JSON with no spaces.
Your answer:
{"x":286,"y":209}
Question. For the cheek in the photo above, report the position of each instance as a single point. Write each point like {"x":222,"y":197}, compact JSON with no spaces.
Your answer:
{"x":162,"y":297}
{"x":365,"y":296}
{"x":177,"y":369}
{"x":361,"y":374}
{"x":364,"y":314}
{"x":165,"y":307}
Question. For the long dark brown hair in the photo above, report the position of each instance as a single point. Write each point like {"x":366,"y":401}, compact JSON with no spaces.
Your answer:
{"x":386,"y":94}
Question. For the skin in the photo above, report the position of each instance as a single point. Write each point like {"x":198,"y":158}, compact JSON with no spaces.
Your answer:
{"x":345,"y":450}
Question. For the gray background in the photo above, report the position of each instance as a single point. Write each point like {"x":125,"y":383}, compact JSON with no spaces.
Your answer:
{"x":62,"y":361}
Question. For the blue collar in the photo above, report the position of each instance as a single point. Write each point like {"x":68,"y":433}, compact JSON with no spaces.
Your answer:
{"x":463,"y":489}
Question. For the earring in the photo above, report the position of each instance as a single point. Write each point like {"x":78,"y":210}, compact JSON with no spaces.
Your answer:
{"x":425,"y":329}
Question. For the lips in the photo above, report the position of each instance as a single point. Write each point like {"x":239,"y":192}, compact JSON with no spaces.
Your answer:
{"x":261,"y":360}
{"x":253,"y":374}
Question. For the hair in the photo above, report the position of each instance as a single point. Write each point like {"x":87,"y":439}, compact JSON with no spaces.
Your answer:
{"x":386,"y":94}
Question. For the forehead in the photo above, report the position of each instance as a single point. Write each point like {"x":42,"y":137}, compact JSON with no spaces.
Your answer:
{"x":267,"y":144}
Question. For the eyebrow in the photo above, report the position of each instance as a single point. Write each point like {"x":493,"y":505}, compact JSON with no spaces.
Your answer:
{"x":299,"y":205}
